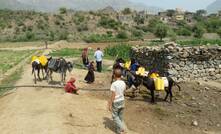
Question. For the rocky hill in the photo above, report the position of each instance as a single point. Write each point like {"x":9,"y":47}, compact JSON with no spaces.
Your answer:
{"x":85,"y":5}
{"x":214,"y":7}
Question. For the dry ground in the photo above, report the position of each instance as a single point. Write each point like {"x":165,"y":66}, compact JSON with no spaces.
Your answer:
{"x":52,"y":111}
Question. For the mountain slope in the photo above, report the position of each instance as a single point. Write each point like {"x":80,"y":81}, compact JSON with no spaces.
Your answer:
{"x":85,"y":5}
{"x":214,"y":7}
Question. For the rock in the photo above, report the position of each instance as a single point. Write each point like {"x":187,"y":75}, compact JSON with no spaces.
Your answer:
{"x":218,"y":125}
{"x":206,"y":88}
{"x":195,"y":123}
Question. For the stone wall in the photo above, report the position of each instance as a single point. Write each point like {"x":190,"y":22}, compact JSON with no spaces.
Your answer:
{"x":182,"y":63}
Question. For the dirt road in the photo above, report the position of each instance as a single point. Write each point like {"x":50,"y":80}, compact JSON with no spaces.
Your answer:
{"x":52,"y":111}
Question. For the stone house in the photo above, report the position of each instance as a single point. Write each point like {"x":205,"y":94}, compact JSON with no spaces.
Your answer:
{"x":127,"y":19}
{"x":164,"y":17}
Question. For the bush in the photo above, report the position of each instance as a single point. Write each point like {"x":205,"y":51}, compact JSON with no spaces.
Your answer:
{"x":109,"y":23}
{"x":29,"y":36}
{"x":63,"y":10}
{"x":122,"y":35}
{"x":126,"y":11}
{"x":184,"y":32}
{"x":198,"y":31}
{"x":120,"y":50}
{"x":137,"y":33}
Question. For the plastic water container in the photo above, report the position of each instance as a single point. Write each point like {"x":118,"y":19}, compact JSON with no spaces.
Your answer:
{"x":159,"y":84}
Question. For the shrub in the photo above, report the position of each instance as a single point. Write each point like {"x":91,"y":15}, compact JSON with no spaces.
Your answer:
{"x":137,"y":33}
{"x":122,"y":35}
{"x":82,"y":27}
{"x":63,"y":10}
{"x":109,"y":23}
{"x":29,"y":36}
{"x":198,"y":31}
{"x":184,"y":32}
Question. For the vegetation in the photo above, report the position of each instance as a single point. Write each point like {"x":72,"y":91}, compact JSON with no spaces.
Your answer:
{"x":109,"y":23}
{"x":161,"y":31}
{"x":197,"y":42}
{"x":11,"y":80}
{"x":120,"y":50}
{"x":11,"y":58}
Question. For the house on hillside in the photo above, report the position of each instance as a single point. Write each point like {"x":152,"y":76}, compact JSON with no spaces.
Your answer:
{"x":179,"y":14}
{"x":127,"y":19}
{"x":164,"y":17}
{"x":189,"y":17}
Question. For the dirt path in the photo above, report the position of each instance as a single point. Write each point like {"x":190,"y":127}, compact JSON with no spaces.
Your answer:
{"x":52,"y":111}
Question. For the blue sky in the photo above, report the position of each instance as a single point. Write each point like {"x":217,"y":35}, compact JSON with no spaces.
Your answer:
{"x":190,"y":5}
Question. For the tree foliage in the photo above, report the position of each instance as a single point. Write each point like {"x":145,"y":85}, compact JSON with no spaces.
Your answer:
{"x":161,"y":31}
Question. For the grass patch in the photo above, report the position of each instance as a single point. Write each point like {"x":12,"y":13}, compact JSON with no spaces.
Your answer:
{"x":11,"y":58}
{"x":11,"y":80}
{"x":120,"y":50}
{"x":198,"y":42}
{"x":21,"y":44}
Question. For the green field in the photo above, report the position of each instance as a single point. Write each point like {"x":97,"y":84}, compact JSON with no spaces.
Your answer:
{"x":11,"y":58}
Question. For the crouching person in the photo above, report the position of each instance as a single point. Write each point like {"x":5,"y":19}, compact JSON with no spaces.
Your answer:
{"x":116,"y":103}
{"x":70,"y":86}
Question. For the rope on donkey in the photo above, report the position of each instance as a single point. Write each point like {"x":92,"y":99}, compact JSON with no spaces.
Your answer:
{"x":51,"y":86}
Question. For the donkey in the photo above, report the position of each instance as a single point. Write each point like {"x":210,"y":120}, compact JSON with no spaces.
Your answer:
{"x":149,"y":84}
{"x":59,"y":66}
{"x":37,"y":66}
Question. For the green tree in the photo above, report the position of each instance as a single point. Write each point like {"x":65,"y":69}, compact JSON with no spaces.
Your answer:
{"x":198,"y":31}
{"x":127,"y":11}
{"x":139,"y":20}
{"x":161,"y":31}
{"x":63,"y":10}
{"x":153,"y":23}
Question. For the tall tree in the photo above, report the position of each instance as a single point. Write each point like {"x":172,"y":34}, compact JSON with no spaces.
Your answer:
{"x":161,"y":31}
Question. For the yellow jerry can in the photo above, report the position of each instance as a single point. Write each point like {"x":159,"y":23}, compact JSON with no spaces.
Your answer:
{"x":159,"y":84}
{"x":154,"y":75}
{"x":127,"y":65}
{"x":33,"y":58}
{"x":141,"y":71}
{"x":43,"y":60}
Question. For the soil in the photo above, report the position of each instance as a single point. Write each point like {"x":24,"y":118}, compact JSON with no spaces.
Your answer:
{"x":52,"y":111}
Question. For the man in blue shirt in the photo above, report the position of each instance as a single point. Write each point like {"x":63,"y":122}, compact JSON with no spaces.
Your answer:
{"x":98,"y":56}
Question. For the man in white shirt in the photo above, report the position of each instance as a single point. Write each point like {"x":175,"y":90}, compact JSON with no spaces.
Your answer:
{"x":116,"y":103}
{"x":98,"y":56}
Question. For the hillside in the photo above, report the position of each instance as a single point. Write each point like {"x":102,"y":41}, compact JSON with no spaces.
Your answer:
{"x":84,"y":5}
{"x":214,"y":7}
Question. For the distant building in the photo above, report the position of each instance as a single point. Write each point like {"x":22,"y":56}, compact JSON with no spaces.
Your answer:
{"x":125,"y":19}
{"x":179,"y":15}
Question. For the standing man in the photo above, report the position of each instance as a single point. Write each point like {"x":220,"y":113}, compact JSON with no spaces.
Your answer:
{"x":116,"y":103}
{"x":98,"y":56}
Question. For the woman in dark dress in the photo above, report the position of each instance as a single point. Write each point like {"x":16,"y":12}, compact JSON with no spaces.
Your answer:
{"x":84,"y":56}
{"x":90,"y":75}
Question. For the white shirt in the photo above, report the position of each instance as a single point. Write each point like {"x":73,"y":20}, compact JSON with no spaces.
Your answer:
{"x":118,"y":87}
{"x":98,"y":55}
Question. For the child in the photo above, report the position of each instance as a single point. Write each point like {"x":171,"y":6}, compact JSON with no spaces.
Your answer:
{"x":90,"y":75}
{"x":70,"y":87}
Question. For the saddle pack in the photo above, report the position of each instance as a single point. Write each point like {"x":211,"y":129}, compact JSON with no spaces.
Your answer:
{"x":54,"y":64}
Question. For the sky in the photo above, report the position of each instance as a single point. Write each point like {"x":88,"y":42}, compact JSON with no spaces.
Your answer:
{"x":190,"y":5}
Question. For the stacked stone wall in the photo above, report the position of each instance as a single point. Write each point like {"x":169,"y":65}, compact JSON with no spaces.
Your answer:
{"x":182,"y":63}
